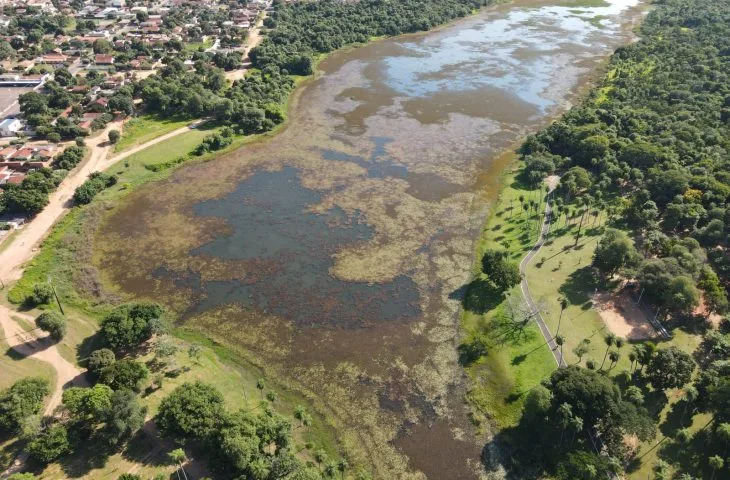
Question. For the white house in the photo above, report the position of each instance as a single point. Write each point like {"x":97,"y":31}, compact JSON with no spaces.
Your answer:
{"x":10,"y":127}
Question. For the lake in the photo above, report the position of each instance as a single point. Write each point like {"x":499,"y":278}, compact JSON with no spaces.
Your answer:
{"x":334,"y":253}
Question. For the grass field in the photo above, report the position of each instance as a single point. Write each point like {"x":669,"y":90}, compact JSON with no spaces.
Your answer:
{"x":517,"y":360}
{"x":145,"y":128}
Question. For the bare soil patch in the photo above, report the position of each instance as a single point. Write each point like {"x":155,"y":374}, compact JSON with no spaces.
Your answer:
{"x":622,"y":316}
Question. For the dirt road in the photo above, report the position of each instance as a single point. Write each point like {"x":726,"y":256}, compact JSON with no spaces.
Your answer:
{"x":25,"y":244}
{"x":31,"y":344}
{"x":36,"y":344}
{"x":252,"y":42}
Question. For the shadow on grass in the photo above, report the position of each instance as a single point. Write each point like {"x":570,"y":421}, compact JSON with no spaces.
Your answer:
{"x":88,"y":345}
{"x":481,"y":296}
{"x":579,"y":285}
{"x":680,"y":416}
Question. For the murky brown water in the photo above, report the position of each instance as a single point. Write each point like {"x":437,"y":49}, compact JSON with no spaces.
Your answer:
{"x":331,"y":253}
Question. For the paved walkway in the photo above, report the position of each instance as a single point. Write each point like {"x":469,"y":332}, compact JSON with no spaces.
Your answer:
{"x":544,"y":231}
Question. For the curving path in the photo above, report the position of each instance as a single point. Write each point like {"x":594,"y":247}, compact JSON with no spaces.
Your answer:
{"x":30,"y":344}
{"x":544,"y":231}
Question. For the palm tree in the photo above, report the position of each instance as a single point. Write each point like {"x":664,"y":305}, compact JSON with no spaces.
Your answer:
{"x":563,"y":305}
{"x":716,"y":463}
{"x":522,"y":201}
{"x":560,"y":340}
{"x":632,"y":358}
{"x":342,"y":466}
{"x":178,"y":457}
{"x":690,"y":397}
{"x":614,"y":356}
{"x":261,"y":384}
{"x":610,"y":341}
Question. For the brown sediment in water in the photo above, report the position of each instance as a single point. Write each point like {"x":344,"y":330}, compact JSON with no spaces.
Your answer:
{"x":334,"y":252}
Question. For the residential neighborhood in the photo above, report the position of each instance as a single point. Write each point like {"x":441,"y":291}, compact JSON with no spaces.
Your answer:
{"x":70,"y":67}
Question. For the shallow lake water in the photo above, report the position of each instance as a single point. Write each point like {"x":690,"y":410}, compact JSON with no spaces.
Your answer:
{"x":333,"y":253}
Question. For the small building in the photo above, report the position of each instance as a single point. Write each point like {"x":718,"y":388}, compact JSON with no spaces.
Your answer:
{"x":54,"y":59}
{"x":22,"y":155}
{"x":10,"y":127}
{"x":103,"y":59}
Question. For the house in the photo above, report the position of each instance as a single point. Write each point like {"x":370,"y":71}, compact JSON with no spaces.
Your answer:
{"x":7,"y":151}
{"x":10,"y":127}
{"x":104,"y":60}
{"x":22,"y":155}
{"x":54,"y":59}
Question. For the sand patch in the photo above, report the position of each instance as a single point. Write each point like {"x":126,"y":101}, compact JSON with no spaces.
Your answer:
{"x":623,"y":317}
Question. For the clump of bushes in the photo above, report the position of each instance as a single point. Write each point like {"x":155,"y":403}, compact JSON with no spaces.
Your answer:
{"x":216,"y":141}
{"x":97,"y":182}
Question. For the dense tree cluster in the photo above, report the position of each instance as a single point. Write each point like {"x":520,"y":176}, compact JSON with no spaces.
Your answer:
{"x":653,"y":143}
{"x":127,"y":326}
{"x":242,"y":444}
{"x":31,"y":195}
{"x":21,"y":401}
{"x":302,"y":30}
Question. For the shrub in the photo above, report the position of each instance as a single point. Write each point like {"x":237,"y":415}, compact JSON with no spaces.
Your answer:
{"x":42,"y":294}
{"x":52,"y":322}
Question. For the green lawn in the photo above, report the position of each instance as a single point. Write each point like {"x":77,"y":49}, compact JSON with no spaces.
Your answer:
{"x":517,"y":359}
{"x":145,"y":128}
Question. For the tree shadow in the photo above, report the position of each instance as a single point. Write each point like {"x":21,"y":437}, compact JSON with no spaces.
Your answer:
{"x":88,"y":345}
{"x":680,"y":416}
{"x":146,"y":449}
{"x":579,"y":285}
{"x":481,"y":296}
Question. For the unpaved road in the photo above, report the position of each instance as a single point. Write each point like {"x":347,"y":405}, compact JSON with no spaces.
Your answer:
{"x":36,"y":344}
{"x":25,"y":244}
{"x":253,"y":40}
{"x":31,"y":344}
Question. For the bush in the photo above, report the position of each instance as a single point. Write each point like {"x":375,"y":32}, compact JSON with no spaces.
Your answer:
{"x":23,"y":399}
{"x":42,"y":294}
{"x":124,"y":375}
{"x":52,"y":322}
{"x":114,"y":136}
{"x":97,"y":182}
{"x":50,"y":445}
{"x":100,"y":359}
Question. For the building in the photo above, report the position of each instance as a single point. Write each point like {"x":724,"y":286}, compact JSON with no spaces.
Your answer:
{"x":10,"y":127}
